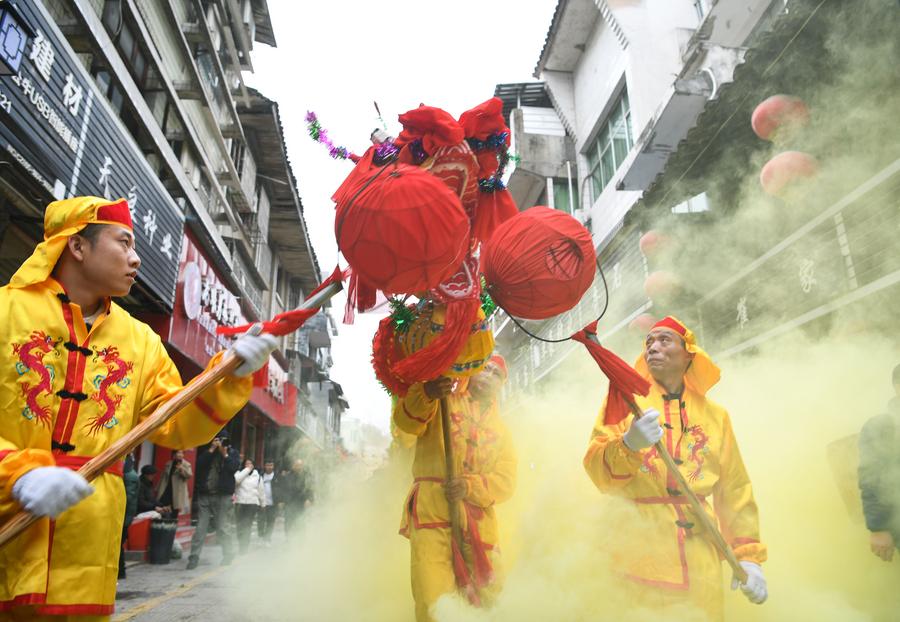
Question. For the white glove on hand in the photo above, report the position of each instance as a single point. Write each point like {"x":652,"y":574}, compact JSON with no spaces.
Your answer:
{"x":644,"y":432}
{"x":755,"y":588}
{"x":254,"y":349}
{"x":49,"y":491}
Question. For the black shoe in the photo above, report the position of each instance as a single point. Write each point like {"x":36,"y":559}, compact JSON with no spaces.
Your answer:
{"x":192,"y":563}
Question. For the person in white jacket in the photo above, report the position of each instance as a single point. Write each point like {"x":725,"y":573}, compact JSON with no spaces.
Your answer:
{"x":249,"y":495}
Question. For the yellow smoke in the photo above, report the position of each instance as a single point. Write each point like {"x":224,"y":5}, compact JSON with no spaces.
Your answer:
{"x":788,"y":404}
{"x":795,"y":404}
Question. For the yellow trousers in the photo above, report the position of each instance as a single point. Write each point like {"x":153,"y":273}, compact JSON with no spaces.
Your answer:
{"x":431,"y":566}
{"x":702,"y":599}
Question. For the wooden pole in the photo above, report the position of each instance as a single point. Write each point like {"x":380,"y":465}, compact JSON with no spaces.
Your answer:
{"x":695,"y":504}
{"x":455,"y":517}
{"x":138,"y":434}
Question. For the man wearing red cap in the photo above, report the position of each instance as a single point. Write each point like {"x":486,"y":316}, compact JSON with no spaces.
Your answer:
{"x":486,"y":464}
{"x":675,"y":563}
{"x":81,"y":373}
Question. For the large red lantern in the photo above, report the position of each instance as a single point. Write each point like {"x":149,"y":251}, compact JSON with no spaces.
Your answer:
{"x":403,"y":230}
{"x":785,"y":169}
{"x":777,"y":115}
{"x":539,"y":263}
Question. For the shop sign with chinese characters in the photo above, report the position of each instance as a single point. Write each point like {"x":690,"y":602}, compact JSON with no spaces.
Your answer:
{"x":60,"y":130}
{"x":203,"y":303}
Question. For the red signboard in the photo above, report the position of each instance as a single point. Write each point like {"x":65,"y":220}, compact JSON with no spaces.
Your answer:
{"x":203,"y":302}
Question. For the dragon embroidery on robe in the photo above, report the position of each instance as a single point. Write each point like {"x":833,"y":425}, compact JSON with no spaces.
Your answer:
{"x":117,"y":374}
{"x":31,"y":357}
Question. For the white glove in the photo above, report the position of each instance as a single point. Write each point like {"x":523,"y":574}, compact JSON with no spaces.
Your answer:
{"x":49,"y":491}
{"x":644,"y":432}
{"x":755,"y":588}
{"x":254,"y":349}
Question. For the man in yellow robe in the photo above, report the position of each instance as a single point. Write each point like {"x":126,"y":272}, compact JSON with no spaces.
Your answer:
{"x":486,"y":464}
{"x":80,"y":373}
{"x":675,"y":563}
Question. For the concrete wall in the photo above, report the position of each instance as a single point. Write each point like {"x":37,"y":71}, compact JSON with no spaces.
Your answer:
{"x":656,"y":32}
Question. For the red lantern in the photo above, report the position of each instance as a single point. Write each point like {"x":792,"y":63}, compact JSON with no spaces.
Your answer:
{"x":642,"y":323}
{"x":661,"y":285}
{"x":778,"y":114}
{"x":652,"y":242}
{"x":539,"y":263}
{"x":402,"y":231}
{"x":785,"y":169}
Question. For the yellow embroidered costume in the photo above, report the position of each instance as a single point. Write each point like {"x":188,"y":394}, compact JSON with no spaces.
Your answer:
{"x":677,"y":563}
{"x":67,"y":392}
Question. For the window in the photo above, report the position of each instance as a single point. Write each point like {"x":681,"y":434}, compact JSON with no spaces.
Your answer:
{"x":607,"y":152}
{"x":561,"y":195}
{"x":698,"y":203}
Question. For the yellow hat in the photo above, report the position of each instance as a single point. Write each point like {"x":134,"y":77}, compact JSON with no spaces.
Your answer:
{"x":62,"y":220}
{"x":702,"y":374}
{"x":428,"y":325}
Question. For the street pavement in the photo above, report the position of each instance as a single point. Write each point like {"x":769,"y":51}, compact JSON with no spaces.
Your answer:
{"x":170,"y":592}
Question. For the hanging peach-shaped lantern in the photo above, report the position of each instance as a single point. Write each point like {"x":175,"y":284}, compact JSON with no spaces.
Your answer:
{"x":786,"y":169}
{"x":652,"y":242}
{"x":778,"y":115}
{"x":642,"y":323}
{"x":661,"y":285}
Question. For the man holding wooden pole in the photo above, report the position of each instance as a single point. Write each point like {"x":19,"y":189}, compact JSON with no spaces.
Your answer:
{"x":449,"y":513}
{"x":677,"y":562}
{"x":80,"y":374}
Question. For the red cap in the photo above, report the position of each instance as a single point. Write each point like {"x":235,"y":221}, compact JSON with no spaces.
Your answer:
{"x":672,"y":324}
{"x":501,"y":363}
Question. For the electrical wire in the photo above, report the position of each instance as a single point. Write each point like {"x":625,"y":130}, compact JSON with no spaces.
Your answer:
{"x":544,"y":339}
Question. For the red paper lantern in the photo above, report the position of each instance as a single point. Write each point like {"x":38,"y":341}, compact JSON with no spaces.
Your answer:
{"x":785,"y":169}
{"x":661,"y":285}
{"x":539,"y":263}
{"x":642,"y":323}
{"x":777,"y":114}
{"x":652,"y":242}
{"x":403,"y":231}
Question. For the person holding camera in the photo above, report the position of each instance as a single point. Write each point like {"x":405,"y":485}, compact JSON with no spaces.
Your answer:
{"x":216,"y":466}
{"x":249,"y":495}
{"x":173,"y":485}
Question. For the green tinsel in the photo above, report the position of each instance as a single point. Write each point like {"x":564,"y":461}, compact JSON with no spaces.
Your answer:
{"x":487,"y":303}
{"x":401,"y":315}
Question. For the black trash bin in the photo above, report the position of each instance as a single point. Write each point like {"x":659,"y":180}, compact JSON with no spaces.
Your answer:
{"x":162,"y":538}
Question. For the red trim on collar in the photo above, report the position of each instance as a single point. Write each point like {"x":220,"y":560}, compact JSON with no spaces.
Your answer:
{"x":116,"y":212}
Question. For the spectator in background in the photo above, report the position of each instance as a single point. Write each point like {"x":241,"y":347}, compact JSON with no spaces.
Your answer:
{"x":214,"y":486}
{"x":298,"y":493}
{"x":132,"y":482}
{"x":266,"y":520}
{"x":879,"y":476}
{"x":173,"y":485}
{"x":146,"y":500}
{"x":248,"y":497}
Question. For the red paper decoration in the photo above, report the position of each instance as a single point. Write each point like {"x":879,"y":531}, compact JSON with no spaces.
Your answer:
{"x":778,"y":114}
{"x":785,"y":169}
{"x":539,"y":263}
{"x":403,"y":230}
